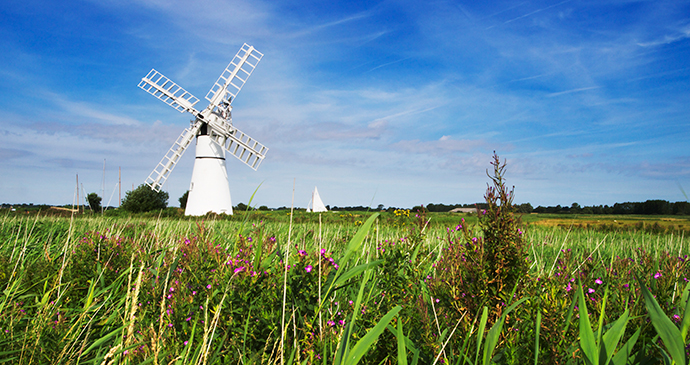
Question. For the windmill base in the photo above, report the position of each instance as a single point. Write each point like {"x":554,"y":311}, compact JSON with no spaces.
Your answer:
{"x":209,"y":190}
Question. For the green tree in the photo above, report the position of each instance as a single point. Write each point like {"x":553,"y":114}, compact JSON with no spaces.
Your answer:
{"x":183,"y":199}
{"x":525,"y":208}
{"x":94,"y":202}
{"x":144,"y":199}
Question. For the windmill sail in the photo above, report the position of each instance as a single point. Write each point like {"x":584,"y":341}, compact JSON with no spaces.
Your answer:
{"x":235,"y":75}
{"x":158,"y":176}
{"x":316,"y":202}
{"x":169,"y":92}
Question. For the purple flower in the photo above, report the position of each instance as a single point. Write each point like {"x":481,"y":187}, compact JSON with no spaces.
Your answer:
{"x":657,"y":275}
{"x":239,"y":269}
{"x":302,"y":253}
{"x":208,"y":286}
{"x":598,"y":281}
{"x":590,"y":291}
{"x":568,"y":288}
{"x":308,"y":268}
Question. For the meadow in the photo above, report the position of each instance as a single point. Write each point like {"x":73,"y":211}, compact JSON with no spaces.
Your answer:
{"x":388,"y":287}
{"x":397,"y":287}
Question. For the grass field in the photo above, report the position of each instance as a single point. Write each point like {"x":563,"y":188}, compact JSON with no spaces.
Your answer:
{"x":334,"y":288}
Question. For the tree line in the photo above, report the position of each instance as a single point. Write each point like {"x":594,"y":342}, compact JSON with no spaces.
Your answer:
{"x":144,"y":199}
{"x":649,"y":207}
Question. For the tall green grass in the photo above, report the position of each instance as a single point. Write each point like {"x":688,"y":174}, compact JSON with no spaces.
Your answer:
{"x":359,"y":289}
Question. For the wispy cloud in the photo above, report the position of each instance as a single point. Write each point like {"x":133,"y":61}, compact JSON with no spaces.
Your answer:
{"x":342,"y":132}
{"x":536,"y":11}
{"x":677,"y":35}
{"x":532,"y":13}
{"x":572,"y":91}
{"x":13,"y":153}
{"x":389,"y":63}
{"x":89,"y":112}
{"x":442,"y":146}
{"x":319,"y":27}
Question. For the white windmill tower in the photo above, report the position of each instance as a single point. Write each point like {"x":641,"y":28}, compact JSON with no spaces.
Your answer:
{"x":209,"y":190}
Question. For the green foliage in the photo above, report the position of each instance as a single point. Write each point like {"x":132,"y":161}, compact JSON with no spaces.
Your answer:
{"x":505,"y":253}
{"x":158,"y":287}
{"x":183,"y":199}
{"x":599,"y":349}
{"x":674,"y":339}
{"x":94,"y":202}
{"x":475,"y":271}
{"x":144,"y":199}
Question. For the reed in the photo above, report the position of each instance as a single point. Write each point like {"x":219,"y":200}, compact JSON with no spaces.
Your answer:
{"x":170,"y":290}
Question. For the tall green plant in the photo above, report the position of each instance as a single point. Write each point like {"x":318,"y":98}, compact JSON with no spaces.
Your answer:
{"x":477,"y":271}
{"x":504,"y":249}
{"x":599,"y":350}
{"x":674,"y":339}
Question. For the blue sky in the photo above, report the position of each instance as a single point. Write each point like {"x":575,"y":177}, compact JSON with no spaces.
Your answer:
{"x":397,"y":103}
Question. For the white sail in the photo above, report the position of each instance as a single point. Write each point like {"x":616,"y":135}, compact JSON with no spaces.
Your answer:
{"x":316,"y":202}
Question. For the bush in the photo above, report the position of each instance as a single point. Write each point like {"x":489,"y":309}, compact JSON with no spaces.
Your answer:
{"x":506,"y":256}
{"x":183,"y":199}
{"x":94,"y":202}
{"x":476,"y":271}
{"x":144,"y":199}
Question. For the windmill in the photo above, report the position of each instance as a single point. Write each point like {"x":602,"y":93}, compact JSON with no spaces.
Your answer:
{"x":209,"y":190}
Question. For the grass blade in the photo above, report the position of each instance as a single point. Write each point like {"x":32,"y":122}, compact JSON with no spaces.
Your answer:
{"x":536,"y":338}
{"x":686,"y":313}
{"x":480,"y":332}
{"x":612,"y":337}
{"x":669,"y":333}
{"x":370,"y":338}
{"x":402,"y":351}
{"x":625,"y":352}
{"x":587,"y":342}
{"x":495,"y":332}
